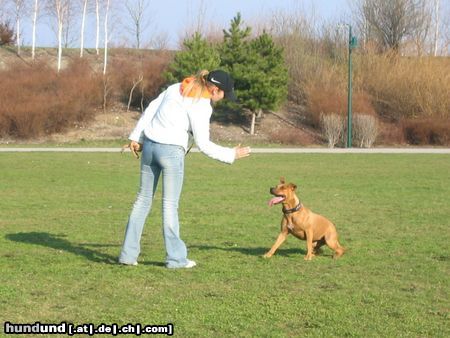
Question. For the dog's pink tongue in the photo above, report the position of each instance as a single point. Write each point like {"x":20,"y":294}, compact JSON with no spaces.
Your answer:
{"x":275,"y":200}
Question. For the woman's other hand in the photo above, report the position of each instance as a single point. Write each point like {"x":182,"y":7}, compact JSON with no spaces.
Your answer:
{"x":135,"y":148}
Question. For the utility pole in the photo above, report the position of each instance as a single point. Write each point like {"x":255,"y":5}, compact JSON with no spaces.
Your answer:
{"x":352,"y":43}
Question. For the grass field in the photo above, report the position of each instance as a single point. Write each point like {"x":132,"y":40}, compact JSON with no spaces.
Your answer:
{"x":62,"y":220}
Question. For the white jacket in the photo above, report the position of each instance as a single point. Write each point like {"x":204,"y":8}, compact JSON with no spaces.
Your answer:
{"x":170,"y":118}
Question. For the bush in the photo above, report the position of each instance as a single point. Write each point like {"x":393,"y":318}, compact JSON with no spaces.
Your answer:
{"x":6,"y":34}
{"x":146,"y":76}
{"x":36,"y":100}
{"x":291,"y":136}
{"x":404,"y":88}
{"x":327,"y":93}
{"x":333,"y":127}
{"x":364,"y":130}
{"x":427,"y":131}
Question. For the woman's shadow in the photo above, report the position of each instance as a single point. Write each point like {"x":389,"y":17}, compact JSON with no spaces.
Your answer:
{"x":58,"y":242}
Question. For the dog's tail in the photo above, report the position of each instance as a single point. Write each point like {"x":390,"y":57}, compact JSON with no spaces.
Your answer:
{"x":339,"y":251}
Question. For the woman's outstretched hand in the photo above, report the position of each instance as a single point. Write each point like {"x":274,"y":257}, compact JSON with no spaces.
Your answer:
{"x":242,"y":152}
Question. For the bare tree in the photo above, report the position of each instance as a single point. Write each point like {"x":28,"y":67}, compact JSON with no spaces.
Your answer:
{"x":390,"y":22}
{"x":420,"y":34}
{"x":436,"y":27}
{"x":445,"y":32}
{"x":59,"y":8}
{"x":136,"y":9}
{"x":106,"y":80}
{"x":136,"y":81}
{"x":364,"y":29}
{"x":83,"y":20}
{"x":196,"y":17}
{"x":105,"y":62}
{"x":3,"y":11}
{"x":69,"y":23}
{"x":159,"y":41}
{"x":19,"y":8}
{"x":97,"y":26}
{"x":35,"y":17}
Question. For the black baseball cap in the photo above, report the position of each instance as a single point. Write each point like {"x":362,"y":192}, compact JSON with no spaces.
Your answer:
{"x":224,"y":82}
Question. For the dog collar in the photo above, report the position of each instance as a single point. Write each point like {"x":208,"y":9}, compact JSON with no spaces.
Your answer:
{"x":290,"y":211}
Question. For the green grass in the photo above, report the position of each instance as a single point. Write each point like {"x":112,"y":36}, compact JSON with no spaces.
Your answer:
{"x":63,"y":217}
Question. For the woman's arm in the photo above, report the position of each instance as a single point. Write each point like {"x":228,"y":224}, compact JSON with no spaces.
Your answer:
{"x":137,"y":134}
{"x":200,"y":124}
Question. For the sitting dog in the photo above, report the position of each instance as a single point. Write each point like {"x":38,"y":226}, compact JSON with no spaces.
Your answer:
{"x":302,"y":223}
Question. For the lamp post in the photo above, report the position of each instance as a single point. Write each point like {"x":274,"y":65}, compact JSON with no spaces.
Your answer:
{"x":352,"y":43}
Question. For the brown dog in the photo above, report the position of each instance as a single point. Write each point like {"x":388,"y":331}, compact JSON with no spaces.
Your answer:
{"x":302,"y":223}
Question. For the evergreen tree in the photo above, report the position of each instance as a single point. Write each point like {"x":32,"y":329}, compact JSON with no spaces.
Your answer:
{"x":235,"y":45}
{"x":267,"y":75}
{"x":257,"y":67}
{"x":197,"y":54}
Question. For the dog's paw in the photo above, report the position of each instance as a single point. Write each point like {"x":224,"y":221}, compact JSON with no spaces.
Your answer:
{"x":267,"y":255}
{"x":308,"y":257}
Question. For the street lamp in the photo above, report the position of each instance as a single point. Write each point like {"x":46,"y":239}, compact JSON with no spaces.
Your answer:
{"x":352,"y":44}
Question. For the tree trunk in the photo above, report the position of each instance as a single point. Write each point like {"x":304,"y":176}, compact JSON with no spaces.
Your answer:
{"x":106,"y":38}
{"x":82,"y":28}
{"x":18,"y":37}
{"x":436,"y":31}
{"x":135,"y":83}
{"x":60,"y":28}
{"x":259,"y":114}
{"x":97,"y":36}
{"x":252,"y":127}
{"x":33,"y":44}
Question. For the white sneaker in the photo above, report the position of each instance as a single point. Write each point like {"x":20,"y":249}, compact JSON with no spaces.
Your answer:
{"x":190,"y":264}
{"x":129,"y":264}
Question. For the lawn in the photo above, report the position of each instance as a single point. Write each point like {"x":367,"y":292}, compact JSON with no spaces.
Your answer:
{"x":63,"y":216}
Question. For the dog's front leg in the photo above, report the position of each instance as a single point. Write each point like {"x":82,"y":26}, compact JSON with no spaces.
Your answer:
{"x":281,"y":238}
{"x":309,"y":245}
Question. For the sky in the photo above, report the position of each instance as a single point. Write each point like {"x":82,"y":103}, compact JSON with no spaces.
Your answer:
{"x":171,"y":19}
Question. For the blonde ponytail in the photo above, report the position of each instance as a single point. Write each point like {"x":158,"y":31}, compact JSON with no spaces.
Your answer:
{"x":197,"y":86}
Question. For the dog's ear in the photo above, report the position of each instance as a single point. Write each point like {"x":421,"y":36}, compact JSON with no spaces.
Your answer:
{"x":293,"y":186}
{"x":282,"y":181}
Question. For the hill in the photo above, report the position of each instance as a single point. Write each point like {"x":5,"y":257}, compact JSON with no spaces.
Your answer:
{"x":284,"y":126}
{"x":281,"y":127}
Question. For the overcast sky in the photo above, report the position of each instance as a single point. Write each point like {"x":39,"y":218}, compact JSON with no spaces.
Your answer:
{"x":170,"y":19}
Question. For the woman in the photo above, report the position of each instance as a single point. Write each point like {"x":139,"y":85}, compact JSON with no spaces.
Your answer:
{"x":163,"y":134}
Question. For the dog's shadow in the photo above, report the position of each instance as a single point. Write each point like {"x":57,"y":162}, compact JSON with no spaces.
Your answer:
{"x":58,"y":242}
{"x":256,"y":251}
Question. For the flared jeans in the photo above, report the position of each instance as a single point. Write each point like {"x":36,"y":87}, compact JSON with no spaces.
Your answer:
{"x":158,"y":159}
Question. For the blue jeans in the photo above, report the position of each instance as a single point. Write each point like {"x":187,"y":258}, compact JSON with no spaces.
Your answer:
{"x":167,"y":159}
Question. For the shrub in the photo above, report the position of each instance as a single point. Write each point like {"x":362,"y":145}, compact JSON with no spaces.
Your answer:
{"x":137,"y":82}
{"x":327,"y":93}
{"x":364,"y":130}
{"x":332,"y":127}
{"x":6,"y":34}
{"x":35,"y":100}
{"x":427,"y":131}
{"x":390,"y":133}
{"x":404,"y":88}
{"x":291,"y":136}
